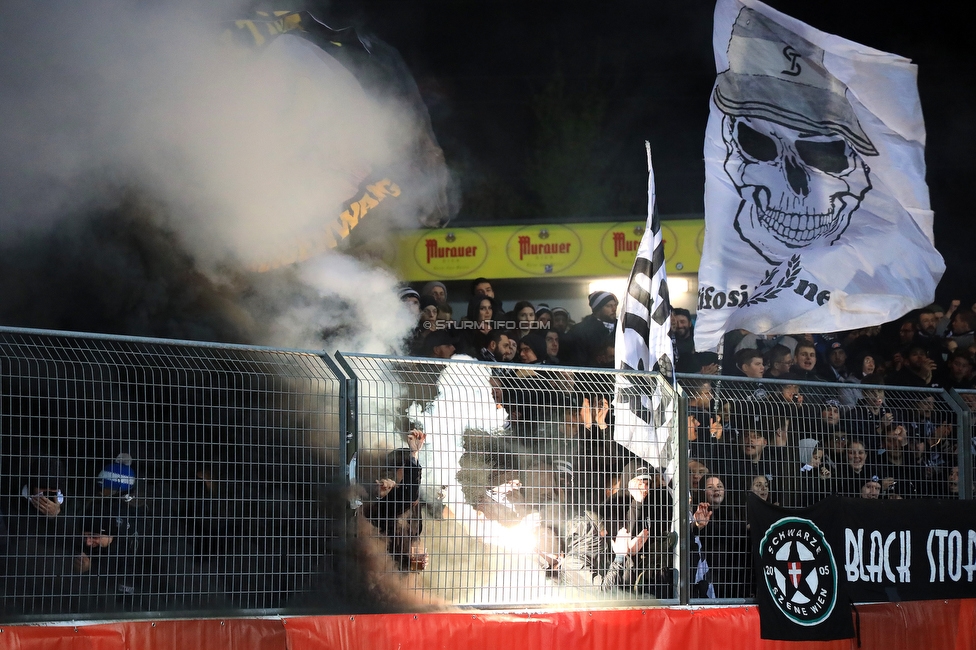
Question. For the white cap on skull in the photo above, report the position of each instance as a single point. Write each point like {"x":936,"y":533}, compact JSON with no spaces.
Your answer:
{"x":778,"y":76}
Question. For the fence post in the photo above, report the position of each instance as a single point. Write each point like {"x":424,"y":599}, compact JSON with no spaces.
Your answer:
{"x":964,"y":428}
{"x":348,"y":443}
{"x":349,"y":422}
{"x":345,"y":383}
{"x":681,"y":500}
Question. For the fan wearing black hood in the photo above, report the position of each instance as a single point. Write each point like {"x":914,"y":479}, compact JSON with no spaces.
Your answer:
{"x":107,"y":556}
{"x":483,"y":312}
{"x":38,"y":562}
{"x":644,"y":509}
{"x":395,"y":508}
{"x":533,"y":395}
{"x":532,"y":348}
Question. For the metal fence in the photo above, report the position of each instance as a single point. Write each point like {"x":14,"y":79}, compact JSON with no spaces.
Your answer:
{"x":148,"y":476}
{"x":793,"y":443}
{"x":523,"y":481}
{"x":162,"y":477}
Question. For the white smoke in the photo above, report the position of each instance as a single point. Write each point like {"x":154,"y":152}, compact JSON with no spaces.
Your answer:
{"x":252,"y":151}
{"x":361,"y":313}
{"x":464,"y":402}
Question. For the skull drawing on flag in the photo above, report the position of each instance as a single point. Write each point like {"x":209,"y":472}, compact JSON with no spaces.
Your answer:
{"x":795,"y":149}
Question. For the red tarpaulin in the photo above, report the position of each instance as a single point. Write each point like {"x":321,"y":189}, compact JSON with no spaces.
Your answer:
{"x":947,"y":625}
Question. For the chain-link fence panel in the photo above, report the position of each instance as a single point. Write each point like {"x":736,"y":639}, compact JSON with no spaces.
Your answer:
{"x":793,"y":443}
{"x":145,"y":476}
{"x":529,"y":497}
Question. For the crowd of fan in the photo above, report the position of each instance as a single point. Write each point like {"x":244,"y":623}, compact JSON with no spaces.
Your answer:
{"x":114,"y":542}
{"x":927,"y":348}
{"x":791,"y":419}
{"x":527,"y":333}
{"x":789,"y":443}
{"x":793,"y":444}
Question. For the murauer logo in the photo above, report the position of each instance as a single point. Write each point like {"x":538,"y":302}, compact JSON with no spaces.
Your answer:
{"x":622,"y":244}
{"x":799,"y":570}
{"x":552,"y":249}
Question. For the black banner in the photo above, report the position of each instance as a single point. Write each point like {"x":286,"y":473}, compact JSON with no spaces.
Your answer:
{"x":800,"y":584}
{"x":811,"y":563}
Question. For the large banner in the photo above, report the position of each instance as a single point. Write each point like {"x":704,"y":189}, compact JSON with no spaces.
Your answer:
{"x":816,"y":209}
{"x":810,"y":564}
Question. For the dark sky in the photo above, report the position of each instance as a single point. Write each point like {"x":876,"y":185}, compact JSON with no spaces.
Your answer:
{"x":542,"y":107}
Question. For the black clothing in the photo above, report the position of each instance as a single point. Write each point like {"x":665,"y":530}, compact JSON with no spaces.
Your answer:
{"x":905,"y":377}
{"x":584,"y":340}
{"x":725,"y":546}
{"x":849,"y":482}
{"x":397,"y":515}
{"x":686,"y":360}
{"x":39,"y":564}
{"x":806,"y":487}
{"x":863,"y":424}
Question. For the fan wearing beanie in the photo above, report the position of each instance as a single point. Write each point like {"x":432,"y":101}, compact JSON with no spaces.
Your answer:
{"x":436,"y":290}
{"x":117,"y":477}
{"x":411,"y":298}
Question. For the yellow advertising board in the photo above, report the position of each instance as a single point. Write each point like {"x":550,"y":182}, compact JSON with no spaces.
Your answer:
{"x":542,"y":250}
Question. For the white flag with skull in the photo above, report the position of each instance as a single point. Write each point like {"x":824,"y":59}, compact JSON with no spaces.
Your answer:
{"x":817,"y":213}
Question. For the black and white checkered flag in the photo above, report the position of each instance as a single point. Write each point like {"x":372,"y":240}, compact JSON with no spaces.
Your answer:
{"x":643,"y":408}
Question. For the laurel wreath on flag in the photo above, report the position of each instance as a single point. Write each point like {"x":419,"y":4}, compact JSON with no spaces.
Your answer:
{"x":772,"y":291}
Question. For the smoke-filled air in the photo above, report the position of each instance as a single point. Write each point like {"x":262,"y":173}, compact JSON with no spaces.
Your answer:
{"x":166,"y":172}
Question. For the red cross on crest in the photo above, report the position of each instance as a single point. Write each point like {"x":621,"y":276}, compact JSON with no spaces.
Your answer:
{"x":795,"y":573}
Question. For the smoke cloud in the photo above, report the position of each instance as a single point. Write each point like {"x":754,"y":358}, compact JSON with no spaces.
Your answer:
{"x":147,"y":166}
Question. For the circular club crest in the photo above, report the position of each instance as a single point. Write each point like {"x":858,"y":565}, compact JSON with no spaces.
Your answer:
{"x":799,"y":570}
